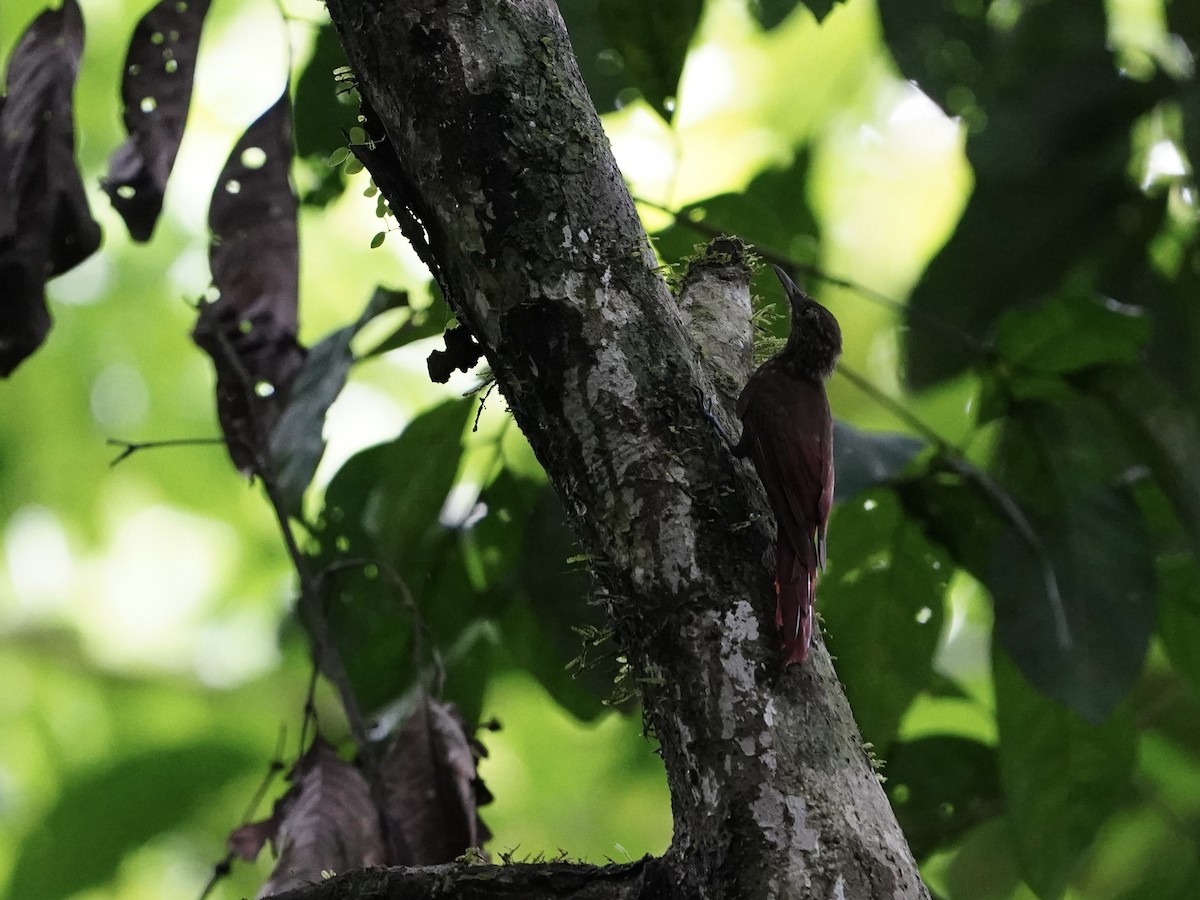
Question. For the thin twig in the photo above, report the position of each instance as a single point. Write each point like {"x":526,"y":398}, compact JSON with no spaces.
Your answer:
{"x":899,"y":410}
{"x":222,"y":868}
{"x":132,"y":447}
{"x":325,"y":652}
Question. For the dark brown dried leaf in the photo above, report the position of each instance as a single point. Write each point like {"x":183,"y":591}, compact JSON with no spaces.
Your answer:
{"x":326,"y":823}
{"x":432,"y":785}
{"x":250,"y":329}
{"x":247,"y":841}
{"x":157,"y":91}
{"x":462,"y":352}
{"x":46,"y":227}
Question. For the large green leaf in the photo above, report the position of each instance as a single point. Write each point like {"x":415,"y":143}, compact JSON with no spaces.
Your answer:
{"x":1062,"y":777}
{"x":382,"y":508}
{"x":1050,"y":116}
{"x":881,"y":602}
{"x":557,"y":589}
{"x":1163,"y":427}
{"x":863,"y":459}
{"x":1072,"y":332}
{"x":627,"y":47}
{"x":941,"y":786}
{"x":322,"y":109}
{"x":1179,"y":614}
{"x":105,"y":813}
{"x":1084,"y":640}
{"x":1060,"y":545}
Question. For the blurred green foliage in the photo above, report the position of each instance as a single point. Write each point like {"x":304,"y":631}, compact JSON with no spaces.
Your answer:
{"x":1012,"y":594}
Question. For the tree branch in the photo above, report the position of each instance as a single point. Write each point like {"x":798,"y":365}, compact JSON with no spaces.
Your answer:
{"x":504,"y":159}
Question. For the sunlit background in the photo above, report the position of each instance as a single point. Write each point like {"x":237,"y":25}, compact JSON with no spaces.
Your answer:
{"x":141,"y":605}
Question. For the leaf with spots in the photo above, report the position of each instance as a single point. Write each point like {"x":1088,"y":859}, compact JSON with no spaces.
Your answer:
{"x":941,"y":786}
{"x":46,"y":227}
{"x":882,"y":604}
{"x":157,"y":91}
{"x":250,"y":328}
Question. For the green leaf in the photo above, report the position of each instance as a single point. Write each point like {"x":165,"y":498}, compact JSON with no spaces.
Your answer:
{"x":383,"y":507}
{"x":772,"y":213}
{"x":297,"y":441}
{"x":110,"y":811}
{"x":377,"y":241}
{"x":1072,"y":332}
{"x":1179,"y":614}
{"x":1060,"y":545}
{"x":557,"y":592}
{"x":1060,"y":206}
{"x":1163,"y":427}
{"x":941,"y":786}
{"x":863,"y":459}
{"x":421,"y":324}
{"x":317,"y":110}
{"x":1062,"y":777}
{"x":627,"y":46}
{"x":339,"y":156}
{"x":881,"y":603}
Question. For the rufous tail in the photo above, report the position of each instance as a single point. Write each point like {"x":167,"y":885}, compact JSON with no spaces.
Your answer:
{"x":795,"y":590}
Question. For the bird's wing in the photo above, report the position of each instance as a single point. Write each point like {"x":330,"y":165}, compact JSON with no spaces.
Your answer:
{"x":787,"y":432}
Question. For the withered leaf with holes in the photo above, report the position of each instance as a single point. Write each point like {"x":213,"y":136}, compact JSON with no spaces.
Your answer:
{"x":250,"y":329}
{"x":157,"y":91}
{"x":46,"y":227}
{"x":433,"y":790}
{"x":325,"y":822}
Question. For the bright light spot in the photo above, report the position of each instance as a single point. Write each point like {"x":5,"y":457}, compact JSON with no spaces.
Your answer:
{"x":254,"y":157}
{"x":869,"y":505}
{"x":915,"y":108}
{"x":360,"y":417}
{"x":39,"y":560}
{"x":85,"y":284}
{"x":642,"y":144}
{"x":119,"y":398}
{"x":236,"y":648}
{"x":711,"y":81}
{"x":151,"y":585}
{"x":1163,"y":162}
{"x":459,"y":506}
{"x":924,"y":614}
{"x":189,"y":274}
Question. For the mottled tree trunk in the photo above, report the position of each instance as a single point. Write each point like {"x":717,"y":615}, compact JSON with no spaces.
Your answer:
{"x":494,"y":158}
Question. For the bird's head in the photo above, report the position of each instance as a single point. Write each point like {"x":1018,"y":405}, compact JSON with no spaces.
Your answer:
{"x":815,"y":340}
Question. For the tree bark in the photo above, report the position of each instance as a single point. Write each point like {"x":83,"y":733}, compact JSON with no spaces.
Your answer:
{"x":494,"y":160}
